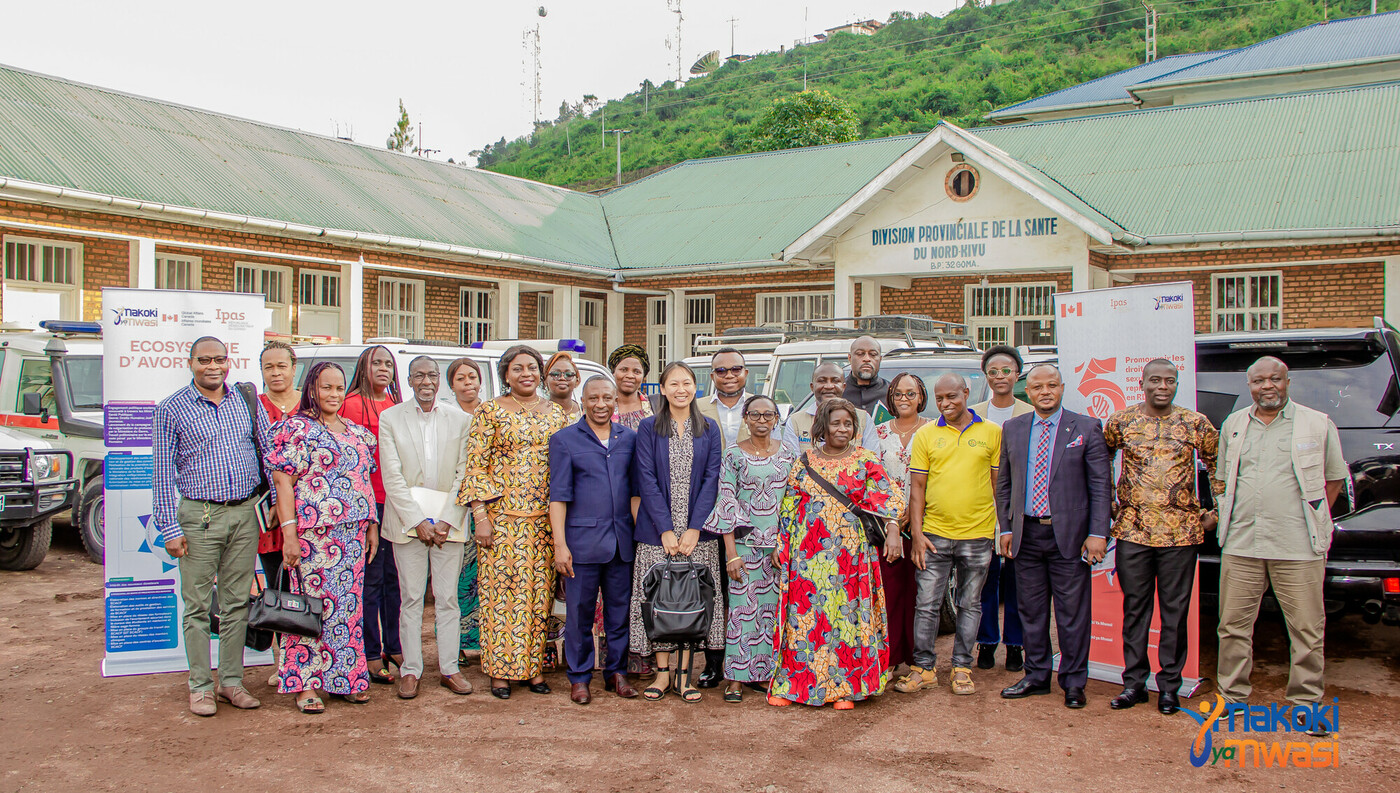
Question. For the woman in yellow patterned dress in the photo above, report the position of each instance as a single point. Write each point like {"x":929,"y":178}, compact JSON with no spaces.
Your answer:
{"x":507,"y":487}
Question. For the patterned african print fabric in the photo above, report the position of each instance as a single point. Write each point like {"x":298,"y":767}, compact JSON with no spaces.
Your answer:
{"x":1157,"y":503}
{"x":508,"y":469}
{"x":750,"y":492}
{"x":633,"y":419}
{"x":468,"y":594}
{"x":831,"y":641}
{"x":332,"y":569}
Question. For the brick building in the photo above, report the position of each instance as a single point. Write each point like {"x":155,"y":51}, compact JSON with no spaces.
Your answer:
{"x":1267,"y":176}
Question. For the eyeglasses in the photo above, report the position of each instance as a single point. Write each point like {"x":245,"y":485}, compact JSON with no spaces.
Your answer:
{"x":761,"y":415}
{"x":219,"y":359}
{"x":1005,"y":371}
{"x":906,"y":395}
{"x":423,"y":376}
{"x":563,"y":375}
{"x":721,"y":371}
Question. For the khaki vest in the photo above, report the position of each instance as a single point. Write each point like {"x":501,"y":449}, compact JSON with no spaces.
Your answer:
{"x":1309,"y":449}
{"x":802,"y":422}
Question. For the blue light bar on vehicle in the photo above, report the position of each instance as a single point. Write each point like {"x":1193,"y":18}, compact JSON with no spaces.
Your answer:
{"x":573,"y":345}
{"x":476,"y":345}
{"x":70,"y":326}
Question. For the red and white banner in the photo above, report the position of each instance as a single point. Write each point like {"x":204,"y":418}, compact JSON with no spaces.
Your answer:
{"x":1105,"y":336}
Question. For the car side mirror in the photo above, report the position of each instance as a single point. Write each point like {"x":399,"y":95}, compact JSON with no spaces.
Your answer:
{"x":33,"y":403}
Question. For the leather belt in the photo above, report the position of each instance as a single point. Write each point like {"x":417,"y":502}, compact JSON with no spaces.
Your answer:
{"x":235,"y":502}
{"x":1043,"y":520}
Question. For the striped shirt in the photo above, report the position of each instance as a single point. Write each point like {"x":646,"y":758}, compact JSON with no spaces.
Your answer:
{"x":203,"y":452}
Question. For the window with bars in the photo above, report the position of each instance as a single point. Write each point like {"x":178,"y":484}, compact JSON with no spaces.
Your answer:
{"x":177,"y":272}
{"x":699,"y":319}
{"x":656,"y":333}
{"x":274,"y":283}
{"x":590,"y":327}
{"x":40,"y":262}
{"x":777,"y":308}
{"x":1015,"y":314}
{"x":477,"y":315}
{"x":401,"y":308}
{"x":544,"y":315}
{"x":1247,"y":301}
{"x":319,"y":289}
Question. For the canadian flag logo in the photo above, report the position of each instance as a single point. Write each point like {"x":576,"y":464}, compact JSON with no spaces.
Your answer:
{"x":1071,"y":310}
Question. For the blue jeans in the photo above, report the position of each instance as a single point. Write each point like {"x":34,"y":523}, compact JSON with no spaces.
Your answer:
{"x":970,"y":558}
{"x":1000,"y":586}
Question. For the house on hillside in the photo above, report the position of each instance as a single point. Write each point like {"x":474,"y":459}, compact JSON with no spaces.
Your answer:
{"x":864,"y":28}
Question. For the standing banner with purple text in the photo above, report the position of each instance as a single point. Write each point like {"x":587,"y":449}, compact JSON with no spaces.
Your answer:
{"x":146,"y":338}
{"x":1105,"y":336}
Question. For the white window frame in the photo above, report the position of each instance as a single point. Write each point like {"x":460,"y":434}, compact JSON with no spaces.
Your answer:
{"x":992,"y":311}
{"x":699,"y":319}
{"x":658,"y":310}
{"x":792,"y":307}
{"x":472,"y":323}
{"x":324,"y":301}
{"x":70,"y":294}
{"x":396,"y":320}
{"x":544,"y":315}
{"x":590,"y":327}
{"x":281,"y":309}
{"x":1246,"y":315}
{"x":166,"y":262}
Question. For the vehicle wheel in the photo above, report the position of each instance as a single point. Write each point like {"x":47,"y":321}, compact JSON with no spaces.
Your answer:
{"x":948,"y":615}
{"x":24,"y":547}
{"x":89,"y":515}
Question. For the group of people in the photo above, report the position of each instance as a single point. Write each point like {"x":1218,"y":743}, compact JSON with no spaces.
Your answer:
{"x":832,"y":535}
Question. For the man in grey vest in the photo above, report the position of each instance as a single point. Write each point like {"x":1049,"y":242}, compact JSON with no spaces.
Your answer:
{"x":1282,"y":467}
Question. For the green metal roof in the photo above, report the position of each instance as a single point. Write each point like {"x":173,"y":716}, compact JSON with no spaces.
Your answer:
{"x":740,"y":209}
{"x":1325,"y":160}
{"x":67,"y":134}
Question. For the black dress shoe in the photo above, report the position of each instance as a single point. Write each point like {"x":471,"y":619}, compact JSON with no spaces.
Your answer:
{"x":714,"y":670}
{"x":1167,"y":702}
{"x":987,"y":656}
{"x":1024,"y":688}
{"x":1130,"y":697}
{"x":539,"y":688}
{"x":1074,"y":698}
{"x":501,"y":692}
{"x":1015,"y":662}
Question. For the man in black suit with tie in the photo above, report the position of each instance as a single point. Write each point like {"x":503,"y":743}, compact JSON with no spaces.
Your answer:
{"x":1053,"y":499}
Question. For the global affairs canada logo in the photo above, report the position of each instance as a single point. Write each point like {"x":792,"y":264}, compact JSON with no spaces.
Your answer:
{"x":1258,"y":735}
{"x":143,"y":317}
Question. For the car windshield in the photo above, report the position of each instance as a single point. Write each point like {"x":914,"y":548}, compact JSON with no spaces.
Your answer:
{"x":929,"y":371}
{"x":758,"y":373}
{"x":84,"y":381}
{"x":1352,"y":381}
{"x":792,"y":381}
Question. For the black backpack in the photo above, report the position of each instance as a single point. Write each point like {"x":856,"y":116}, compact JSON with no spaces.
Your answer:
{"x":678,"y":597}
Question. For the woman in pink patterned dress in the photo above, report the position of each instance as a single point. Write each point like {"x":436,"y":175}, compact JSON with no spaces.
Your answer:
{"x":321,"y":466}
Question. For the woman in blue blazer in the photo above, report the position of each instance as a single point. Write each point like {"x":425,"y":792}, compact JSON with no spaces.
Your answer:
{"x":677,"y":471}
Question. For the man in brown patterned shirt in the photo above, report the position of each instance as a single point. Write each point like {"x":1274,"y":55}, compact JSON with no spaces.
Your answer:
{"x":1159,"y":527}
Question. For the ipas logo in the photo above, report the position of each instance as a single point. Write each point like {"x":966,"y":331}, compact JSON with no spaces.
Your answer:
{"x":143,"y":317}
{"x":1169,"y":302}
{"x":1258,"y":727}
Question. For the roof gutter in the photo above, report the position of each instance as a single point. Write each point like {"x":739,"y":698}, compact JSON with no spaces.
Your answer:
{"x":690,"y":269}
{"x":340,"y":236}
{"x":1138,"y":240}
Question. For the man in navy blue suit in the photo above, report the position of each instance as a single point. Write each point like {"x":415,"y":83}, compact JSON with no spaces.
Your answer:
{"x":1053,"y":499}
{"x":592,"y":511}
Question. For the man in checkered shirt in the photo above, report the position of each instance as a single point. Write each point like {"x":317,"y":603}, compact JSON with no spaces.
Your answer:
{"x":206,"y":471}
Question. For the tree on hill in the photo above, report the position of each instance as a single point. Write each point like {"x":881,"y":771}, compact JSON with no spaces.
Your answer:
{"x":401,"y":139}
{"x":809,"y":118}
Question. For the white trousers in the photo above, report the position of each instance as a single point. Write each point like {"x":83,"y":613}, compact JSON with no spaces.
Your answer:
{"x":413,"y":558}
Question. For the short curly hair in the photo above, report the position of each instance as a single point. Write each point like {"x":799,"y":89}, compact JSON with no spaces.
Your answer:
{"x":515,"y":352}
{"x":823,"y":419}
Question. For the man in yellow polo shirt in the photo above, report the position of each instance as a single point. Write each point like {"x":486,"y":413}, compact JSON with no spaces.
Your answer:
{"x":953,"y":463}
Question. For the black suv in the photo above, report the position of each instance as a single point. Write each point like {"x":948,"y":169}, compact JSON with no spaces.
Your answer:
{"x":1351,"y":374}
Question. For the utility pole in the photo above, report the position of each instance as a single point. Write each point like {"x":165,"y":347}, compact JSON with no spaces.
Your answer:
{"x":604,"y":136}
{"x":731,"y":22}
{"x":620,"y":133}
{"x":1151,"y":33}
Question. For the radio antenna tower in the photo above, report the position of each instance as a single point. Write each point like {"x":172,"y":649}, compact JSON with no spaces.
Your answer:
{"x":531,"y":39}
{"x":674,"y":6}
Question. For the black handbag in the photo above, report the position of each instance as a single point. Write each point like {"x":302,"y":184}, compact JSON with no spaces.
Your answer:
{"x":274,"y":610}
{"x":677,"y":600}
{"x":873,"y":524}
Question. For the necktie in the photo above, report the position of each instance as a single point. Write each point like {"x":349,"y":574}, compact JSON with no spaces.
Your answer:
{"x":1040,"y":478}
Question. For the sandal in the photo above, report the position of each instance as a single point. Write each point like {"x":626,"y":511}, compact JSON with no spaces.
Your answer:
{"x":358,"y":698}
{"x":734,"y":695}
{"x":380,"y":674}
{"x":844,"y":704}
{"x":778,"y":702}
{"x":688,"y":692}
{"x":658,"y":688}
{"x":311,"y":704}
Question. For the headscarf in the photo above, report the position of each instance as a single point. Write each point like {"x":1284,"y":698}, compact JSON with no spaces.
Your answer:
{"x":629,"y":351}
{"x":555,"y":358}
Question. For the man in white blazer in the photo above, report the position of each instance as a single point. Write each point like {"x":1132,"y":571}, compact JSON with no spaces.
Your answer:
{"x":422,"y":455}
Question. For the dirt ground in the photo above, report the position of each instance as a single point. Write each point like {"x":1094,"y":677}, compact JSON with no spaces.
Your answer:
{"x":67,"y":728}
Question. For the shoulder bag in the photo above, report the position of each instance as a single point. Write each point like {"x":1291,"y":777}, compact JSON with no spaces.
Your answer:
{"x":873,"y":524}
{"x":677,"y":599}
{"x":262,"y":504}
{"x":274,"y":610}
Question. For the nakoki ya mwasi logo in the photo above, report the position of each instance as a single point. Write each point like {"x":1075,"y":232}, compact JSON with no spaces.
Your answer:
{"x":1239,"y":735}
{"x":138,"y":317}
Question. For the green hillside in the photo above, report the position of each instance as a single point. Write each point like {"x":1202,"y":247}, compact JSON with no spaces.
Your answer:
{"x":912,"y":73}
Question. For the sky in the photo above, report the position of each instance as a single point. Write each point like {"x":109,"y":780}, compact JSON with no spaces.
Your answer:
{"x":460,"y":68}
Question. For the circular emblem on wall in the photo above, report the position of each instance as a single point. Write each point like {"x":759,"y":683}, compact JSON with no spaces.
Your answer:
{"x":962,"y":182}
